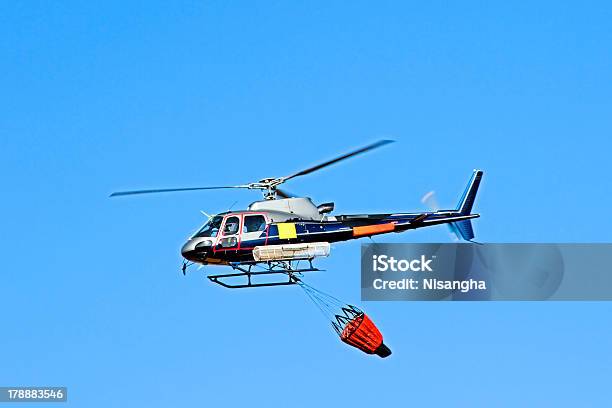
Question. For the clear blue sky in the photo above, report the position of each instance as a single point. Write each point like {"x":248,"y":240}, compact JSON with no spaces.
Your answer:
{"x":102,"y":97}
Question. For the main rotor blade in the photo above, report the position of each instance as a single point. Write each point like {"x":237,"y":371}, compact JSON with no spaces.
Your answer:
{"x":337,"y":159}
{"x":284,"y":193}
{"x":169,"y":190}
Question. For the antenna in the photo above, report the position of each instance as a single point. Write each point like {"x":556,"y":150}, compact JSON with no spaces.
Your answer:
{"x":232,"y":206}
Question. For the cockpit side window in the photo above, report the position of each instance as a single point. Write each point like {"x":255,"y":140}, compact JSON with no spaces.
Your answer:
{"x":254,"y":223}
{"x":231,"y":225}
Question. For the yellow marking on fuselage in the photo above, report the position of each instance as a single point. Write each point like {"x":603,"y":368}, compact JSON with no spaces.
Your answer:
{"x":286,"y":230}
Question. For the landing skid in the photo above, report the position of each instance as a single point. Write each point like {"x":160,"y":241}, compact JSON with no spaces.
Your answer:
{"x":287,"y":268}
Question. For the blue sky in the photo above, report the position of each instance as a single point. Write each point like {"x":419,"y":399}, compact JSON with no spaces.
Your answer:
{"x":103,"y":97}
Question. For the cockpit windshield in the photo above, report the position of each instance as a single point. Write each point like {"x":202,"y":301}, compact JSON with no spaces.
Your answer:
{"x":211,"y":228}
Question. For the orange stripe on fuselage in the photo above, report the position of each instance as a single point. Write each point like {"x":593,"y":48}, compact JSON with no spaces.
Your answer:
{"x":373,"y":229}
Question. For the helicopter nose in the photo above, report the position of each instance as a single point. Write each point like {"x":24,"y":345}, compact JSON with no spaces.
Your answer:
{"x":196,"y":249}
{"x":187,"y":248}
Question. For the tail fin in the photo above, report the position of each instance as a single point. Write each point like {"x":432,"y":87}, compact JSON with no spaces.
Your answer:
{"x":463,"y":229}
{"x":469,"y":195}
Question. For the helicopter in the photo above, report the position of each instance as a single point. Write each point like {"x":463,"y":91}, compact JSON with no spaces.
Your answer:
{"x":279,"y":234}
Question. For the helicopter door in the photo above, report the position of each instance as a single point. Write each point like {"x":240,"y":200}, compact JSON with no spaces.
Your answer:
{"x":230,"y":237}
{"x":253,"y":228}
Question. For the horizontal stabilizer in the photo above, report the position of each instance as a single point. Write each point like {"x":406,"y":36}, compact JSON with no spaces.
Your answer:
{"x":451,"y":218}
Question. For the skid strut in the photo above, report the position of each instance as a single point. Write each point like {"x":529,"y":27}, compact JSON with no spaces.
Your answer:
{"x":247,"y":275}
